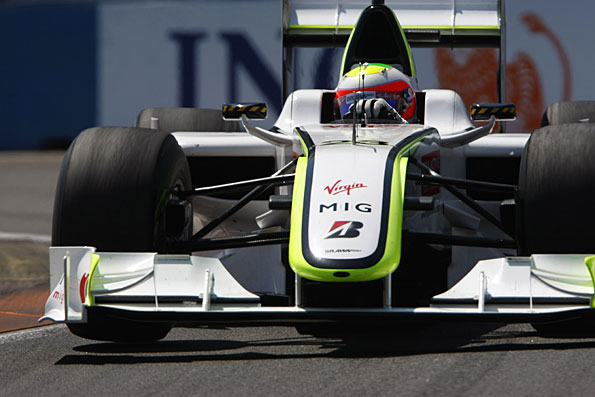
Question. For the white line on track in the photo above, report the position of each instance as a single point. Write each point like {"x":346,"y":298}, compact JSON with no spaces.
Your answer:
{"x":26,"y":237}
{"x":32,"y":333}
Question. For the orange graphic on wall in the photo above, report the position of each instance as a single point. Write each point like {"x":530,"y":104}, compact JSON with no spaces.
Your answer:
{"x":472,"y":74}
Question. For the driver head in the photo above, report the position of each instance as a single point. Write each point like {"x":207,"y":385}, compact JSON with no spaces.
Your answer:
{"x":376,"y":81}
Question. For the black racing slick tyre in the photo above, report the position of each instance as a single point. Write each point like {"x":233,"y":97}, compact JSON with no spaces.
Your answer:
{"x":569,"y":112}
{"x":556,"y":189}
{"x":555,"y":213}
{"x":112,"y":192}
{"x":113,"y":189}
{"x":187,"y":119}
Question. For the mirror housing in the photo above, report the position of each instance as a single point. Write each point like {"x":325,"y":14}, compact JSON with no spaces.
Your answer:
{"x":235,"y":111}
{"x":500,"y":111}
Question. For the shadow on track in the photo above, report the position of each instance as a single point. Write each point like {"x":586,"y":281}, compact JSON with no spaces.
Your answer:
{"x":365,"y":343}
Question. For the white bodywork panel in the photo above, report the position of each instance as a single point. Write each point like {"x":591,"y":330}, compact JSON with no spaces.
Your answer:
{"x":497,"y":145}
{"x":302,"y":107}
{"x":446,"y":112}
{"x":223,"y":144}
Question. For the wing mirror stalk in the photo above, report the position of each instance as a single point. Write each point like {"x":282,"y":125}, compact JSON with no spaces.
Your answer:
{"x":481,"y":112}
{"x":465,"y":137}
{"x":258,"y":111}
{"x":274,"y":138}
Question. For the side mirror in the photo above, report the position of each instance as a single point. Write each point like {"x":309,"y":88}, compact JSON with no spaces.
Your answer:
{"x":235,"y":111}
{"x":500,"y":111}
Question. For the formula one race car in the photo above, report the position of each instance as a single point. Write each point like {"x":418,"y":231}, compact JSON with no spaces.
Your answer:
{"x":372,"y":203}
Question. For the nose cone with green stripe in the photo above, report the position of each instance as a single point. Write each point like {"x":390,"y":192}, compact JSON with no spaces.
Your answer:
{"x":347,"y":206}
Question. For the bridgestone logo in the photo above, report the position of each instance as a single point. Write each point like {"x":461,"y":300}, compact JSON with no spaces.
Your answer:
{"x":344,"y":229}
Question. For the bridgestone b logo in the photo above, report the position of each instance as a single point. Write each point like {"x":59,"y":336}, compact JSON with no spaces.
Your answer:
{"x":344,"y":229}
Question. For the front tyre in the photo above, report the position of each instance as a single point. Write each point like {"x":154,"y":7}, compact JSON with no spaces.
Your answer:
{"x":114,"y":187}
{"x":555,"y":213}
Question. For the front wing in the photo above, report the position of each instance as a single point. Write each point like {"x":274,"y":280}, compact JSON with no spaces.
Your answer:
{"x":182,"y":288}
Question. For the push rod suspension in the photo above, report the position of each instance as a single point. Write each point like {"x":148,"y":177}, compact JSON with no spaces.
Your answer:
{"x":279,"y":180}
{"x":251,"y":195}
{"x":464,"y":241}
{"x":249,"y":240}
{"x":461,"y":183}
{"x":461,"y":196}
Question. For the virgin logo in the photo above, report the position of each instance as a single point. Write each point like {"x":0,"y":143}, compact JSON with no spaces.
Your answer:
{"x":339,"y":188}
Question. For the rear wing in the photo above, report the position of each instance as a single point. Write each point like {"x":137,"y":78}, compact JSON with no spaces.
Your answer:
{"x":426,"y":23}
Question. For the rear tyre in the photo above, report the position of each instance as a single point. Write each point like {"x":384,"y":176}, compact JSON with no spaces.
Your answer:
{"x":569,"y":112}
{"x":187,"y":119}
{"x":112,"y":193}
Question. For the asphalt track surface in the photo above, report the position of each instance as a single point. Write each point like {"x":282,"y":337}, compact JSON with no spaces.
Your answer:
{"x":439,"y":359}
{"x":446,"y":359}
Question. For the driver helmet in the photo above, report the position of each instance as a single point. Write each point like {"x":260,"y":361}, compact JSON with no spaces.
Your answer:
{"x":380,"y":81}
